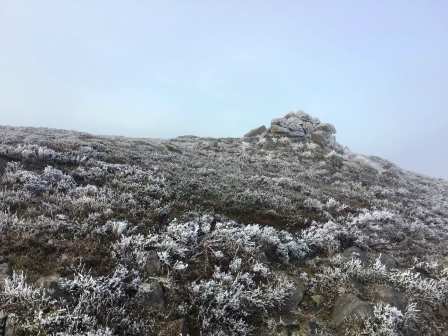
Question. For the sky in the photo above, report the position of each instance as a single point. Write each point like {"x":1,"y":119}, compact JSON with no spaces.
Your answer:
{"x":377,"y":70}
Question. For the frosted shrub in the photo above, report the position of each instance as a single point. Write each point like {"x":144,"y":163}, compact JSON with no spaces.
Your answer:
{"x":16,"y":290}
{"x":331,"y":236}
{"x":132,"y":251}
{"x":228,"y":300}
{"x":241,"y":285}
{"x":56,"y":179}
{"x":51,"y":179}
{"x":182,"y":240}
{"x":435,"y":290}
{"x":386,"y":320}
{"x":373,"y":216}
{"x":312,"y":203}
{"x":260,"y":239}
{"x":95,"y":299}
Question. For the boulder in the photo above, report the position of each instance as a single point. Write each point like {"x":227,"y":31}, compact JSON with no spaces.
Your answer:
{"x":386,"y":294}
{"x":52,"y":283}
{"x":4,"y":273}
{"x":292,"y":125}
{"x":296,"y":297}
{"x":174,"y":328}
{"x":317,"y":299}
{"x":256,"y":131}
{"x":6,"y":327}
{"x":152,"y":265}
{"x":152,"y":294}
{"x":323,"y":139}
{"x":300,"y":126}
{"x":355,"y":253}
{"x":326,"y":127}
{"x":388,"y":261}
{"x":347,"y":306}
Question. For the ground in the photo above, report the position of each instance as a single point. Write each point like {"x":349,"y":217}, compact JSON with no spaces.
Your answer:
{"x":262,"y":235}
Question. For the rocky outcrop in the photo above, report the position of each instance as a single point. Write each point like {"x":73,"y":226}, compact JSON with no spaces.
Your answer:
{"x":256,"y":131}
{"x":350,"y":306}
{"x":300,"y":126}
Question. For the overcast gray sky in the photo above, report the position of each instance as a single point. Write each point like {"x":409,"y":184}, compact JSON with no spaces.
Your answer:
{"x":376,"y":69}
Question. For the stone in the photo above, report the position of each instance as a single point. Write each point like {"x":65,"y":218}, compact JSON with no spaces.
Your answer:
{"x":152,"y":294}
{"x":4,"y":272}
{"x":443,"y":311}
{"x":317,"y":299}
{"x":349,"y":305}
{"x":323,"y":139}
{"x":152,"y":265}
{"x":283,"y":131}
{"x":53,"y":285}
{"x":174,"y":328}
{"x":388,"y":261}
{"x":386,"y":294}
{"x":300,"y":126}
{"x":326,"y":127}
{"x":355,"y":253}
{"x":256,"y":131}
{"x":296,"y":297}
{"x":290,"y":126}
{"x":6,"y":327}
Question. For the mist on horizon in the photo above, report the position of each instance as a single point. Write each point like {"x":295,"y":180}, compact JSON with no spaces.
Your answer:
{"x":377,"y":70}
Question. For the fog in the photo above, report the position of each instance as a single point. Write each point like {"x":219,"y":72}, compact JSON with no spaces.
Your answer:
{"x":377,"y":70}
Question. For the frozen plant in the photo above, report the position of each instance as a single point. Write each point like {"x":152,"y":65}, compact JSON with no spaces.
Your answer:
{"x":17,"y":290}
{"x":227,"y":301}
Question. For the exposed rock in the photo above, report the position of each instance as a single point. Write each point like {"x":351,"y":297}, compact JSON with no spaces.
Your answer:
{"x":4,"y":272}
{"x":152,"y":264}
{"x":301,"y":126}
{"x":288,"y":325}
{"x":317,"y":299}
{"x":296,"y":296}
{"x":325,"y":127}
{"x":388,"y":261}
{"x":256,"y":131}
{"x":355,"y":252}
{"x":152,"y":294}
{"x":6,"y":328}
{"x":349,"y":306}
{"x":174,"y":328}
{"x":324,"y":139}
{"x":52,"y":284}
{"x":386,"y":294}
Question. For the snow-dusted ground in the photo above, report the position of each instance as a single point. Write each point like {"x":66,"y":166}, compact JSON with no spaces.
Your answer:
{"x":260,"y":235}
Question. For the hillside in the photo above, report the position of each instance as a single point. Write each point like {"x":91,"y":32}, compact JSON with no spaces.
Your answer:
{"x":281,"y":232}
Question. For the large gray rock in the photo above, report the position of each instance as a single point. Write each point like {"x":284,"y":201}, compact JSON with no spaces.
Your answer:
{"x":386,"y":294}
{"x":6,"y":327}
{"x":175,"y":328}
{"x":152,"y":294}
{"x":256,"y":131}
{"x":347,"y":306}
{"x":300,"y":126}
{"x":296,"y":297}
{"x":326,"y":127}
{"x":152,"y":265}
{"x":4,"y":273}
{"x":292,"y":125}
{"x":388,"y":261}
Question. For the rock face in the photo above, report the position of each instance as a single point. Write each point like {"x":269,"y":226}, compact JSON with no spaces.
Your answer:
{"x":389,"y":295}
{"x":4,"y":272}
{"x":152,"y":294}
{"x":300,"y":126}
{"x":256,"y":131}
{"x":350,"y":306}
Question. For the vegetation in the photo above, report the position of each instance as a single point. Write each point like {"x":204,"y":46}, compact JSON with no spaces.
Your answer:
{"x":262,"y":235}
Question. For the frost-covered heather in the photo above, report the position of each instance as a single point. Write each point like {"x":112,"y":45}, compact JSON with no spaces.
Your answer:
{"x":262,"y":235}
